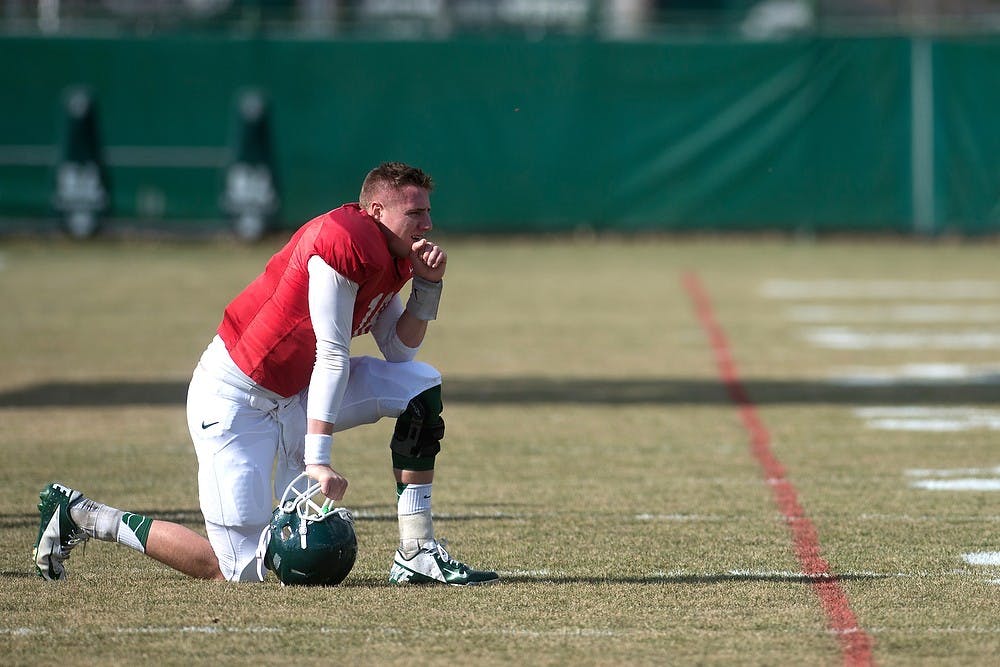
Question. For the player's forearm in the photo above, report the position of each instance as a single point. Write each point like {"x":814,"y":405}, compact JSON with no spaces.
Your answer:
{"x":421,"y":308}
{"x":411,"y":331}
{"x":319,"y":426}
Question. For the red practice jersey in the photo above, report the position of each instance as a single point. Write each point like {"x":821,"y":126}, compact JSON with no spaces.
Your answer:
{"x":267,"y":328}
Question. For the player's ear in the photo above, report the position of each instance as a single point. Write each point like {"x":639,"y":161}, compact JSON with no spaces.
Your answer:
{"x":375,"y":210}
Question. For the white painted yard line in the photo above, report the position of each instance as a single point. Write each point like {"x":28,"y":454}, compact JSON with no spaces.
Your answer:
{"x":846,"y":338}
{"x":198,"y":630}
{"x":880,"y":289}
{"x":147,"y":630}
{"x":929,"y":418}
{"x":931,"y":518}
{"x":933,"y":425}
{"x":534,"y":573}
{"x":564,"y":632}
{"x":30,"y":633}
{"x":682,"y":517}
{"x":718,"y":518}
{"x":790,"y":574}
{"x":931,"y":411}
{"x":776,"y":574}
{"x":967,"y":484}
{"x":21,"y":632}
{"x":374,"y":516}
{"x":929,"y":373}
{"x":920,"y":630}
{"x":491,"y":631}
{"x":921,"y":425}
{"x":951,"y":472}
{"x":985,"y":558}
{"x":911,"y":313}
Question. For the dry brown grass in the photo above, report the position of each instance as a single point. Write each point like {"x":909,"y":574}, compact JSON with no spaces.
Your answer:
{"x":592,"y":457}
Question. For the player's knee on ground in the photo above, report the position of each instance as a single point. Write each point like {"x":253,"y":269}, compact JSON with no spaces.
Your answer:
{"x":416,"y":439}
{"x":236,"y":550}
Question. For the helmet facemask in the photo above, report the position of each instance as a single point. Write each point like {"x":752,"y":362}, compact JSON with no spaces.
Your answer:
{"x":307,"y":542}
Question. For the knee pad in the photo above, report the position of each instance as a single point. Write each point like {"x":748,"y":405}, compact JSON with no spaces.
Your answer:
{"x":416,"y":440}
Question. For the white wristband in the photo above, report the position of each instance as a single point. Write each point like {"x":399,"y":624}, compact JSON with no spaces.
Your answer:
{"x":318,"y":446}
{"x":424,"y":298}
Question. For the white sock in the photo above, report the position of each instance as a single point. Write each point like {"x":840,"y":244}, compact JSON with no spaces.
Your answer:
{"x":416,"y":526}
{"x":98,"y":520}
{"x":103,"y":522}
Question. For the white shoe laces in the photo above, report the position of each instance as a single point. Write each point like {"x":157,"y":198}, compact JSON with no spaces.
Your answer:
{"x":78,"y":536}
{"x":438,"y":547}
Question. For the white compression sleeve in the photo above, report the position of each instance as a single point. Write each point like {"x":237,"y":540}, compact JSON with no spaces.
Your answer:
{"x":331,"y":308}
{"x":384,"y":332}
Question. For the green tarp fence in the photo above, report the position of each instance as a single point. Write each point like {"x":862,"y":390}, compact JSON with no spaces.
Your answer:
{"x":821,"y":134}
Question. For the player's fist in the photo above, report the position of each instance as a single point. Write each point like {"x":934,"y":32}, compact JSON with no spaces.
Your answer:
{"x":331,"y":483}
{"x":428,"y":260}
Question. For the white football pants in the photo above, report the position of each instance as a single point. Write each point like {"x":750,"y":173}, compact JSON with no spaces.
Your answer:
{"x":250,"y":447}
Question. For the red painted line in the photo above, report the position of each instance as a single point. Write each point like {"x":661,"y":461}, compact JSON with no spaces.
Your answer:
{"x":855,"y":644}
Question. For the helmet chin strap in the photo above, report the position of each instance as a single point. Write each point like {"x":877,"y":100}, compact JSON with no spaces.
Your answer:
{"x":265,"y":536}
{"x":303,"y":530}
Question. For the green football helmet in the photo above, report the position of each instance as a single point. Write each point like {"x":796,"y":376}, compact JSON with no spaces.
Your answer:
{"x":307,"y":543}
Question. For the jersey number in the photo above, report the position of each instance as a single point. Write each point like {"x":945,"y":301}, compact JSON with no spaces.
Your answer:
{"x":376,"y":306}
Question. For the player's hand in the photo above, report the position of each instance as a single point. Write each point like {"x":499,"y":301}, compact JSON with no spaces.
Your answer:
{"x":331,"y":483}
{"x":428,"y":260}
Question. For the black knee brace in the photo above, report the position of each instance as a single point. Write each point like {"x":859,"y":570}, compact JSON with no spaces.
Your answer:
{"x":416,"y":439}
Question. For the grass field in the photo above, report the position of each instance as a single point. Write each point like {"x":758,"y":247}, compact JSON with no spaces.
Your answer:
{"x":600,"y":455}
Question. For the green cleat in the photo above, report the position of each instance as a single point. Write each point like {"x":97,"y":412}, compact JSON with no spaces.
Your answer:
{"x":432,"y":564}
{"x":57,"y":532}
